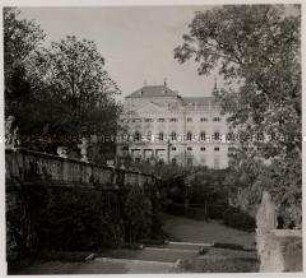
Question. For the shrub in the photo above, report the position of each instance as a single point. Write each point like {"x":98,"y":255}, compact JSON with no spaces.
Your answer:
{"x":237,"y":219}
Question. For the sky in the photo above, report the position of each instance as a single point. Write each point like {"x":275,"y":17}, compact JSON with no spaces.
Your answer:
{"x":137,"y":42}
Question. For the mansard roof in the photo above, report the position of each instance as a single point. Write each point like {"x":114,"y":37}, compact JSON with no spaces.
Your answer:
{"x":201,"y":101}
{"x":153,"y":91}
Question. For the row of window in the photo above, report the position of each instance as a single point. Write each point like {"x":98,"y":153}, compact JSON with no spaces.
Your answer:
{"x":203,"y":149}
{"x":162,"y":120}
{"x":174,"y":136}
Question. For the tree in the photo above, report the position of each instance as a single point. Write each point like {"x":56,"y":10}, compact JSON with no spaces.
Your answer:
{"x":257,"y":51}
{"x":71,"y":75}
{"x":21,"y":38}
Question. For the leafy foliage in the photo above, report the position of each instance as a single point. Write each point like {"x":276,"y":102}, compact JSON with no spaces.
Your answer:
{"x":256,"y":49}
{"x":57,"y":93}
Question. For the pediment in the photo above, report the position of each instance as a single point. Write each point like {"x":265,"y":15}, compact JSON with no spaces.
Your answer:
{"x":149,"y":109}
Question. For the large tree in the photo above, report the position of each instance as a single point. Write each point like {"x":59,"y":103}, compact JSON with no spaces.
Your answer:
{"x":70,"y":75}
{"x":256,"y":49}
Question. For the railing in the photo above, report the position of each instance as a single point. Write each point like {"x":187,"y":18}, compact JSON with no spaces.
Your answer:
{"x":23,"y":164}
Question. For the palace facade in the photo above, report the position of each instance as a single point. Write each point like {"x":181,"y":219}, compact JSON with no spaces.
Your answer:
{"x":160,"y":124}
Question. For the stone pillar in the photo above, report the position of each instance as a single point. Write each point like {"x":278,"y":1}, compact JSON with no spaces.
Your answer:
{"x":265,"y":222}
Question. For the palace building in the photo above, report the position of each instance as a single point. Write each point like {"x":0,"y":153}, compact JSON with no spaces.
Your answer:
{"x":160,"y":124}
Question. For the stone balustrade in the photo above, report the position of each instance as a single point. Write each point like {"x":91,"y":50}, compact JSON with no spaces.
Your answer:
{"x":23,"y":164}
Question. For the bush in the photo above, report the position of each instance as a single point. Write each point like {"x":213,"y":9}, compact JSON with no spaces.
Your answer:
{"x":237,"y":219}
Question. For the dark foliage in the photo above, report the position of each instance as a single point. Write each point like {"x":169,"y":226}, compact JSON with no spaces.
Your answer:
{"x":238,"y":219}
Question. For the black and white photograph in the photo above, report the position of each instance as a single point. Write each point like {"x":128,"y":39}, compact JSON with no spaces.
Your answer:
{"x":152,"y":138}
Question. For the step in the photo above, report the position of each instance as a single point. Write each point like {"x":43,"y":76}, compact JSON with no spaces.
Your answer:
{"x":188,"y":245}
{"x":139,"y":266}
{"x":160,"y":254}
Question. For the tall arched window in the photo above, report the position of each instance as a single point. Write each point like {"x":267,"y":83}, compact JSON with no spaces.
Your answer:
{"x":149,"y":135}
{"x":173,"y":135}
{"x":161,"y":136}
{"x":217,"y":136}
{"x":189,"y":136}
{"x":137,"y":136}
{"x":202,"y":136}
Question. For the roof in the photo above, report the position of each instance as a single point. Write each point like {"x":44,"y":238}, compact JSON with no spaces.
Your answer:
{"x":153,"y":91}
{"x":201,"y":101}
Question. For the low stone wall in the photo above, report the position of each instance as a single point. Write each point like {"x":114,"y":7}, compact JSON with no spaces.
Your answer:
{"x":282,"y":251}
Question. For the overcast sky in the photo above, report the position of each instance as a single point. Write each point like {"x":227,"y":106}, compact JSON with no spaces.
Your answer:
{"x":137,"y":42}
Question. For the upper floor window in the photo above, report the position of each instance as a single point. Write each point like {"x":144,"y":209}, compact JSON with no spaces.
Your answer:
{"x":217,"y":149}
{"x":161,"y":120}
{"x":173,"y":148}
{"x":148,"y":120}
{"x":189,"y":136}
{"x":189,"y":120}
{"x":173,"y":119}
{"x":216,"y":119}
{"x":189,"y":149}
{"x":203,"y":149}
{"x":136,"y":120}
{"x":203,"y":119}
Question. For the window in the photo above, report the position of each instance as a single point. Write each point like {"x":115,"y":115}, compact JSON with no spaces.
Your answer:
{"x":189,"y":149}
{"x":216,"y":136}
{"x":173,"y":135}
{"x":217,"y":149}
{"x":173,"y":120}
{"x":189,"y":120}
{"x":189,"y":136}
{"x":148,"y":120}
{"x":125,"y":148}
{"x":204,"y":120}
{"x":161,"y":136}
{"x":173,"y":161}
{"x":136,"y":120}
{"x":149,"y":135}
{"x":173,"y":148}
{"x":137,"y":136}
{"x":202,"y":136}
{"x":216,"y":119}
{"x":203,"y":149}
{"x":161,"y":120}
